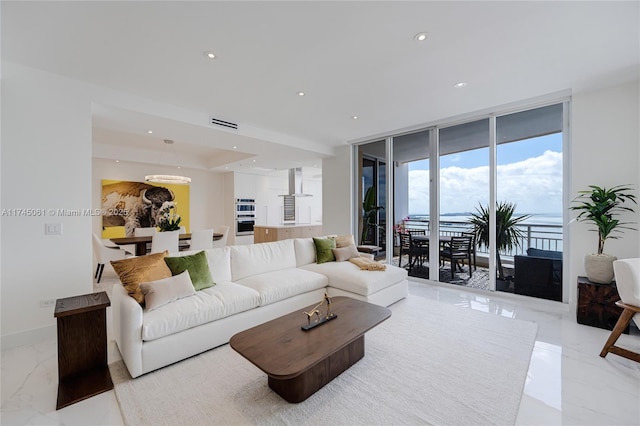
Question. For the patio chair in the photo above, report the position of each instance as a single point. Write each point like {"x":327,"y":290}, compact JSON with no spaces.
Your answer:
{"x":414,"y":251}
{"x":627,"y":273}
{"x":472,"y":247}
{"x":457,"y":249}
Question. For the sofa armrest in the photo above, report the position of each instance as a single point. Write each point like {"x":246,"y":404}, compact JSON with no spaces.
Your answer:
{"x":127,"y":328}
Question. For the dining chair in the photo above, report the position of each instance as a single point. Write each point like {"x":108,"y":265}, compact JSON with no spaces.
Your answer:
{"x":145,"y":232}
{"x":414,"y":251}
{"x":472,"y":247}
{"x":105,"y":254}
{"x":627,"y":272}
{"x":224,"y":230}
{"x":168,"y":240}
{"x":457,"y":249}
{"x":201,"y":239}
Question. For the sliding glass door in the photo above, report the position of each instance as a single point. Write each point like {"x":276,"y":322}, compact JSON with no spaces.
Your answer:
{"x":480,"y":195}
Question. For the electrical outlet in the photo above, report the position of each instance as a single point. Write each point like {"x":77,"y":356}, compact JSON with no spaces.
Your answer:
{"x":47,"y":303}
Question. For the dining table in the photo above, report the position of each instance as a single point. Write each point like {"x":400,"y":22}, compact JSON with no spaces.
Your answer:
{"x":142,"y":241}
{"x":421,"y":240}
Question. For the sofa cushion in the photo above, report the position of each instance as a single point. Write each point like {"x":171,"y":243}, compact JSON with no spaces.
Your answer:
{"x":547,"y":254}
{"x":255,"y":259}
{"x":220,"y":301}
{"x":324,"y":249}
{"x":136,"y":270}
{"x":305,"y":251}
{"x":278,"y":285}
{"x":197,"y":266}
{"x":219,"y":260}
{"x":348,"y":277}
{"x":159,"y":293}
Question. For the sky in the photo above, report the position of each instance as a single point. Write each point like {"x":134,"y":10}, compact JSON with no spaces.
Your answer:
{"x":529,"y":174}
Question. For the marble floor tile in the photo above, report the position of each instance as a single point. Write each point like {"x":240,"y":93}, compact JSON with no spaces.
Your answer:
{"x":567,"y":382}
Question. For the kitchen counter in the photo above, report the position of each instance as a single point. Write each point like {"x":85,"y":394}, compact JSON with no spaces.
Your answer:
{"x":268,"y":233}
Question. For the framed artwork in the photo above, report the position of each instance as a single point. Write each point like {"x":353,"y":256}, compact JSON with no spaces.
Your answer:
{"x":128,"y":205}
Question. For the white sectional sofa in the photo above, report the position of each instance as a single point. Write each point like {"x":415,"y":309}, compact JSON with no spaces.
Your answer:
{"x":254,"y":284}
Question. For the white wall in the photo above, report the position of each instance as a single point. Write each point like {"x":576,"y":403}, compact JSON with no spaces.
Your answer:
{"x":46,"y":164}
{"x":604,"y":152}
{"x":337,"y":187}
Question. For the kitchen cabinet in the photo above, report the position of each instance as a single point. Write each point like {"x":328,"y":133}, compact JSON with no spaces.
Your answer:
{"x":265,"y":234}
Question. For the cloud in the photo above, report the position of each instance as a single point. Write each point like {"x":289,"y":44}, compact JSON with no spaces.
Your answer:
{"x":534,"y":184}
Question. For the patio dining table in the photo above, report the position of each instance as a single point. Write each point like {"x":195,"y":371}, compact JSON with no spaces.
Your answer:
{"x":421,"y":240}
{"x":141,"y":242}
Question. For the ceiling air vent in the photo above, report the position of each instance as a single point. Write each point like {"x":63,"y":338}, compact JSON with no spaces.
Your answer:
{"x":218,"y":122}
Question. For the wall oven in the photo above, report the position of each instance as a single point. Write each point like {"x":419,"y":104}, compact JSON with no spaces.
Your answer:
{"x":245,"y":216}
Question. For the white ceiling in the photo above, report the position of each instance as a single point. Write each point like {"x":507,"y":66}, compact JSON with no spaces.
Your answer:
{"x":350,"y":58}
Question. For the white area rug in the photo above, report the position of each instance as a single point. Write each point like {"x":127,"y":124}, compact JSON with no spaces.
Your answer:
{"x":430,"y":363}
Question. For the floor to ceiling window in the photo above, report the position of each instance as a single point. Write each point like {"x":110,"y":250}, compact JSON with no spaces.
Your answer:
{"x":442,"y":194}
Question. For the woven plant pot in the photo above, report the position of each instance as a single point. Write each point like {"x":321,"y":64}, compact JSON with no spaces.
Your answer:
{"x":599,"y":268}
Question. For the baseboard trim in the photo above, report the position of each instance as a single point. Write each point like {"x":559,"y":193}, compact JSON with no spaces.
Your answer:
{"x":28,"y":337}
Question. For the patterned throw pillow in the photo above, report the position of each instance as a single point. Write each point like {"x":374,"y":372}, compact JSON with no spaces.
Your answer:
{"x":136,"y":270}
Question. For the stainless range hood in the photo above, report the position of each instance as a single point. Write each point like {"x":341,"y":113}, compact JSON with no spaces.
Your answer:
{"x":295,"y":184}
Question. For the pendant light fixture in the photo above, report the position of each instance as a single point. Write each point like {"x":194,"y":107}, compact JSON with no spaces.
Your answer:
{"x":168,"y":178}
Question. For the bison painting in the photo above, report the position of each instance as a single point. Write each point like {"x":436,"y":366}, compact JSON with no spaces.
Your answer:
{"x":134,"y":204}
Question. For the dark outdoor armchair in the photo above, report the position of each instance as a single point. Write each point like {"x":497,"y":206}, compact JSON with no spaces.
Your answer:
{"x":539,"y":274}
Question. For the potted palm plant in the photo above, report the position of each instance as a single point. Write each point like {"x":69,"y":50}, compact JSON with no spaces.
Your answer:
{"x":508,"y":236}
{"x":599,"y":206}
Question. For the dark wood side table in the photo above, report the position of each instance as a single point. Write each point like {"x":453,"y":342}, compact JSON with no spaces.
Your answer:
{"x":597,"y":304}
{"x":82,"y":347}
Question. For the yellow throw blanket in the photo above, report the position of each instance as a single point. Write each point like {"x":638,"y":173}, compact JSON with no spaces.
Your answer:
{"x":368,"y":264}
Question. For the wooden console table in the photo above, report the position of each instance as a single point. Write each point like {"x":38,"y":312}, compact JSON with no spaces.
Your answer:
{"x":597,"y":304}
{"x":82,"y":347}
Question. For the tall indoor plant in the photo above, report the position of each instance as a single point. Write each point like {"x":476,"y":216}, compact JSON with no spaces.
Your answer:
{"x":369,"y":215}
{"x":508,"y":236}
{"x":599,"y":206}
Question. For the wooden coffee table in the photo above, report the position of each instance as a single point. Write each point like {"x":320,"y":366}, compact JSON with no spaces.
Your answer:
{"x":297,"y":362}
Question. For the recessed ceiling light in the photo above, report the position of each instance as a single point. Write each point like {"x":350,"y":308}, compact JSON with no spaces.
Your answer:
{"x":300,"y":93}
{"x":117,"y":161}
{"x":355,"y":117}
{"x":421,"y":37}
{"x":235,"y":147}
{"x":460,"y":84}
{"x":149,"y":131}
{"x":253,"y":161}
{"x":209,"y":55}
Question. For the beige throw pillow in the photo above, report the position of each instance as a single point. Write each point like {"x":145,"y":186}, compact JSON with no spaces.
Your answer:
{"x":344,"y":241}
{"x":345,"y":253}
{"x":167,"y":290}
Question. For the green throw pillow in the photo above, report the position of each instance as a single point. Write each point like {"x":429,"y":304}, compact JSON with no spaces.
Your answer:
{"x":197,"y":266}
{"x":324,"y":249}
